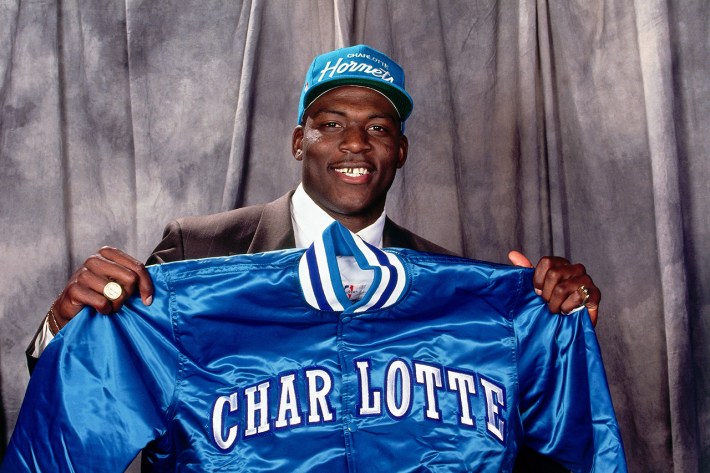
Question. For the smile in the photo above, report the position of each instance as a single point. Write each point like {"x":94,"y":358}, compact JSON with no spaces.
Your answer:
{"x":353,"y":172}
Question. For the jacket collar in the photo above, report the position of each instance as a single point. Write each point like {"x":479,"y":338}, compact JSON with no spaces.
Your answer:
{"x":320,"y":276}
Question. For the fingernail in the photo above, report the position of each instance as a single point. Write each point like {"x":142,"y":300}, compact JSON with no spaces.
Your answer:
{"x":538,"y":291}
{"x":149,"y":300}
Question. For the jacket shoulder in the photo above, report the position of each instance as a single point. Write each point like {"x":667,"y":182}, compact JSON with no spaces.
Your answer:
{"x":396,"y":236}
{"x":251,"y":229}
{"x":203,"y":236}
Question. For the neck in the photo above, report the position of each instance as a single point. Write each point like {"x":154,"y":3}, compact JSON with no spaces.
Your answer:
{"x":354,"y":223}
{"x":354,"y":220}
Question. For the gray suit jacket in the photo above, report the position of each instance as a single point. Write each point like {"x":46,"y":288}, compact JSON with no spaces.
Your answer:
{"x":252,"y":230}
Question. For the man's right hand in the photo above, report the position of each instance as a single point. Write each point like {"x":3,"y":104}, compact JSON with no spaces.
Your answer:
{"x":86,"y":286}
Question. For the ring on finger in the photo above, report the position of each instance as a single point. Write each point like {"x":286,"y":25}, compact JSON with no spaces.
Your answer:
{"x":584,"y":292}
{"x":112,"y":290}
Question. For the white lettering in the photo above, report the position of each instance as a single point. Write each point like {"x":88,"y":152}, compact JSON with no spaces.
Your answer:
{"x":217,"y":422}
{"x":318,"y":398}
{"x":398,"y":370}
{"x":330,"y":69}
{"x":370,"y":401}
{"x":261,"y":406}
{"x":362,"y":67}
{"x":465,"y":384}
{"x":495,"y":399}
{"x":374,"y":59}
{"x":394,"y":387}
{"x":341,"y":67}
{"x":288,"y":403}
{"x":430,"y":377}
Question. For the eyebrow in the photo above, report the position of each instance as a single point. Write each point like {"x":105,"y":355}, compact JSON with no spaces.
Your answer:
{"x":387,"y":116}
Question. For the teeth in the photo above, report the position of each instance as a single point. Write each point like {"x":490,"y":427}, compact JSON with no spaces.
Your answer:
{"x":353,"y":172}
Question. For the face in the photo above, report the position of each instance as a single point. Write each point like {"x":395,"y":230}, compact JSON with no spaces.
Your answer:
{"x":351,"y":147}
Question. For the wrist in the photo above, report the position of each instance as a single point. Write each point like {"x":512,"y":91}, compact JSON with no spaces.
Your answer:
{"x":54,"y":326}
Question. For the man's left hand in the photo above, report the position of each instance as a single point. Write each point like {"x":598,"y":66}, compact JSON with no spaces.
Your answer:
{"x":561,"y":284}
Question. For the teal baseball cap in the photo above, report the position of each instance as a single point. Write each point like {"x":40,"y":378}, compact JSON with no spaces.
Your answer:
{"x":358,"y":65}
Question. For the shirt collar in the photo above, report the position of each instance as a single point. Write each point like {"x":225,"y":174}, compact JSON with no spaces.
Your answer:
{"x":309,"y":221}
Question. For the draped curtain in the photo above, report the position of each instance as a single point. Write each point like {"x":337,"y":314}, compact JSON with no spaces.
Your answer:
{"x":568,"y":127}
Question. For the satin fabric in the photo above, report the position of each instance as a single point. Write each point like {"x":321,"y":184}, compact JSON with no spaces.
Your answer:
{"x":451,"y":366}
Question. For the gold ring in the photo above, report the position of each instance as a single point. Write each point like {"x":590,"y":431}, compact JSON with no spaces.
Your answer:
{"x":584,"y":292}
{"x":112,"y":290}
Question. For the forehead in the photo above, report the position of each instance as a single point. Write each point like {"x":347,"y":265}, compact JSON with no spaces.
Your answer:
{"x":353,"y":100}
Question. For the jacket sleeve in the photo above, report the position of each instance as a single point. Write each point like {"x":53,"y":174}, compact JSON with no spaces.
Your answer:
{"x":169,"y":249}
{"x":565,"y":404}
{"x":100,"y":392}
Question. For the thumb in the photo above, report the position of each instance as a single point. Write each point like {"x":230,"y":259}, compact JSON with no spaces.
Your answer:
{"x":519,"y":259}
{"x":593,"y":313}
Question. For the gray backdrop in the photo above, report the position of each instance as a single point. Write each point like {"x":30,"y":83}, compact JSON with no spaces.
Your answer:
{"x":574,"y":127}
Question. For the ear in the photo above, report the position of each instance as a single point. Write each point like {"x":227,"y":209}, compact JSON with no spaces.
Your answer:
{"x":403,"y":150}
{"x":297,"y":143}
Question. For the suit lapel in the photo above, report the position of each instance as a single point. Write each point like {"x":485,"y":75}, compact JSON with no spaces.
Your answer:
{"x":274,"y":231}
{"x":393,"y":236}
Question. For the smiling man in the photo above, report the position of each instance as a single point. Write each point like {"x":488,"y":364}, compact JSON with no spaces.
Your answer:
{"x":350,"y":140}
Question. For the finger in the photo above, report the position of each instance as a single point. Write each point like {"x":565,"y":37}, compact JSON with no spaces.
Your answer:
{"x":98,"y":282}
{"x":559,"y":281}
{"x":593,"y":313}
{"x":100,"y":271}
{"x":145,"y":283}
{"x":543,"y":266}
{"x":86,"y":287}
{"x":575,"y":298}
{"x":123,"y":269}
{"x":519,"y":259}
{"x":75,"y":298}
{"x":595,"y":296}
{"x":550,"y":271}
{"x":563,"y":297}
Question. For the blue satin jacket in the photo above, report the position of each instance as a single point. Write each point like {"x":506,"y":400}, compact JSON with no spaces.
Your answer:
{"x":263,"y":363}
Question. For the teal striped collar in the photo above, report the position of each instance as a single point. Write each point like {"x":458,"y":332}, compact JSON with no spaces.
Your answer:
{"x":320,"y":276}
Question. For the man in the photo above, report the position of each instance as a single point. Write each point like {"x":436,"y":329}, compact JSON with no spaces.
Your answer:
{"x":350,"y":139}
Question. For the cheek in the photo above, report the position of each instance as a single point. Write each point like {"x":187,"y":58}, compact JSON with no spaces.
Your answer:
{"x":394,"y":158}
{"x":312,"y":138}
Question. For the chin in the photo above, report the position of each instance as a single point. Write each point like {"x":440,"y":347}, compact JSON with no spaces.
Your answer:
{"x":354,"y":206}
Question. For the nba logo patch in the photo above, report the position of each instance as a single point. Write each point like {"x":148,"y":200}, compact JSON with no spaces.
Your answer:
{"x":355,"y":291}
{"x":349,"y":288}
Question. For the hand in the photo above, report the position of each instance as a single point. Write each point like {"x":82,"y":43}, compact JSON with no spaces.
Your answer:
{"x":86,"y":286}
{"x":557,"y":281}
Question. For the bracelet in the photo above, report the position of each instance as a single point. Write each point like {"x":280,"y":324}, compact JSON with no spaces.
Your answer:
{"x":51,"y":318}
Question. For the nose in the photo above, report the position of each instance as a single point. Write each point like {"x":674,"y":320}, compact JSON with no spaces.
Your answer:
{"x":355,"y":139}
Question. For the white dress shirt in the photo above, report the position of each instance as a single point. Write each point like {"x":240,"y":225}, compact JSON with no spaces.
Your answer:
{"x":309,"y":221}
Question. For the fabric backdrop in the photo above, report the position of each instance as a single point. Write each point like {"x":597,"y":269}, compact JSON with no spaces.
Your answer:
{"x":573,"y":127}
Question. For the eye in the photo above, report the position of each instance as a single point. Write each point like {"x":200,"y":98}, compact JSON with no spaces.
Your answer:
{"x":330,"y":124}
{"x":381,"y":129}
